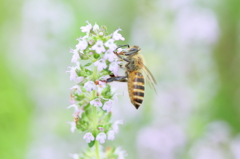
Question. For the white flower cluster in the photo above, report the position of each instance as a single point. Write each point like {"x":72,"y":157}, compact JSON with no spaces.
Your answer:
{"x":91,"y":97}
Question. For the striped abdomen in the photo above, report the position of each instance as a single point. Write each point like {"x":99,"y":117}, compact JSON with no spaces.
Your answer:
{"x":136,"y":88}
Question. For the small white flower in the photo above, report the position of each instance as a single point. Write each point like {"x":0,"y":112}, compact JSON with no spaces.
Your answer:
{"x":102,"y":84}
{"x":89,"y":86}
{"x":73,"y":126}
{"x":101,"y":64}
{"x":74,"y":156}
{"x":82,"y":44}
{"x":117,"y":36}
{"x":108,"y":105}
{"x":95,"y":27}
{"x":79,"y":79}
{"x":86,"y":28}
{"x":96,"y":102}
{"x":88,"y":137}
{"x":77,"y":111}
{"x":115,"y":125}
{"x":109,"y":55}
{"x":111,"y":135}
{"x":110,"y":44}
{"x":72,"y":100}
{"x":75,"y":106}
{"x":75,"y":56}
{"x":73,"y":74}
{"x":101,"y":128}
{"x":114,"y":67}
{"x":77,"y":89}
{"x":98,"y":47}
{"x":119,"y":50}
{"x":101,"y":137}
{"x":121,"y":153}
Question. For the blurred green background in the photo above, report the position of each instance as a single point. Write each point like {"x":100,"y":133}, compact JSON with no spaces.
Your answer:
{"x":191,"y":46}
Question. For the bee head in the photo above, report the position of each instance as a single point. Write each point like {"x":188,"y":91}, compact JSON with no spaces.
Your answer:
{"x":132,"y":51}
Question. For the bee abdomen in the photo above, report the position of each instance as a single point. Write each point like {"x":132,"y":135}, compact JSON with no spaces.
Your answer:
{"x":136,"y":90}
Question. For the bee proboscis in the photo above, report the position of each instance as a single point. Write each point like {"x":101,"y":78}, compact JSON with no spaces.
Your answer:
{"x":134,"y":76}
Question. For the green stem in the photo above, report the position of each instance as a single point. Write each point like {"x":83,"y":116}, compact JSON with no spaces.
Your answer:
{"x":94,"y":94}
{"x":95,"y":127}
{"x":97,"y":151}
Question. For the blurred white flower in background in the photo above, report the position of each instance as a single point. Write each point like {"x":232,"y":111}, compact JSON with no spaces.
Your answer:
{"x":111,"y":135}
{"x":196,"y":25}
{"x":235,"y":147}
{"x":214,"y":143}
{"x":161,"y":141}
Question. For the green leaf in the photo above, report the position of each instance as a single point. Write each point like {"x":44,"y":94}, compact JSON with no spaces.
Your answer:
{"x":105,"y":72}
{"x":96,"y":55}
{"x":84,"y":71}
{"x":106,"y":93}
{"x":87,"y":106}
{"x":88,"y":72}
{"x":84,"y":56}
{"x":82,"y":125}
{"x":80,"y":97}
{"x":88,"y":64}
{"x":91,"y":143}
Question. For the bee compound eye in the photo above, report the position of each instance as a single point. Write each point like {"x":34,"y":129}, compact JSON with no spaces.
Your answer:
{"x":133,"y":49}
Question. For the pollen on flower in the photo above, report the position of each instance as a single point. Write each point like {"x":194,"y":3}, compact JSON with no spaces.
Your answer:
{"x":98,"y":47}
{"x":101,"y":137}
{"x":101,"y":64}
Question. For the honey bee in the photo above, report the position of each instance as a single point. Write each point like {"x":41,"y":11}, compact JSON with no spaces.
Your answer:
{"x":134,"y":74}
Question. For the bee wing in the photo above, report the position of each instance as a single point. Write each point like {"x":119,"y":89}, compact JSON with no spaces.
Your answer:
{"x":149,"y":76}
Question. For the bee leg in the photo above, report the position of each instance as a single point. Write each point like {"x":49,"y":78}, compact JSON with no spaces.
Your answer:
{"x":120,"y":79}
{"x":122,"y":58}
{"x":119,"y":46}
